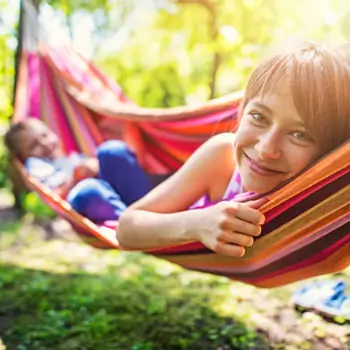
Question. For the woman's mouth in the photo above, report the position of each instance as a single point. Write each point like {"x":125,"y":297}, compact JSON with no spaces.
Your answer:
{"x":260,"y":169}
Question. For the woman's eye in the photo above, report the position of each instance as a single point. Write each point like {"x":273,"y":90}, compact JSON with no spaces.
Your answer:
{"x":257,"y":117}
{"x":301,"y":135}
{"x":298,"y":135}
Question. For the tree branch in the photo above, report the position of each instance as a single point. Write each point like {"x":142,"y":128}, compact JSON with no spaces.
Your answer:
{"x":210,"y":7}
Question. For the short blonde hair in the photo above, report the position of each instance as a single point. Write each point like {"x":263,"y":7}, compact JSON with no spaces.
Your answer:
{"x":319,"y":82}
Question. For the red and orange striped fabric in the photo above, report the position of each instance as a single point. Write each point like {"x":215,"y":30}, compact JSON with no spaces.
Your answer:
{"x":307,"y":232}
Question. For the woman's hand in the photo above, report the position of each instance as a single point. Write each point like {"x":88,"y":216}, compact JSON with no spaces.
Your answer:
{"x":228,"y":227}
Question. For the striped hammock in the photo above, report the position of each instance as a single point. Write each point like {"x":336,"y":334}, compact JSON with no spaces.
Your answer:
{"x":307,"y":229}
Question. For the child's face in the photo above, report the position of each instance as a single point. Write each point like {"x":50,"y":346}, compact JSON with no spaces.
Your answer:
{"x":272,"y":143}
{"x":38,"y":141}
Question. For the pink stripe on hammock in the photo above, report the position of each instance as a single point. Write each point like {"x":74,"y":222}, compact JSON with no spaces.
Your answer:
{"x":271,"y":214}
{"x":308,"y":262}
{"x":162,"y":157}
{"x":211,"y":118}
{"x":56,"y":116}
{"x":280,"y":253}
{"x":73,"y":119}
{"x":310,"y":238}
{"x":34,"y":85}
{"x":163,"y":142}
{"x":170,"y":135}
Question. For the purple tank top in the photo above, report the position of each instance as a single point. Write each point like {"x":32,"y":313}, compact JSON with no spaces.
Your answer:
{"x":234,"y":190}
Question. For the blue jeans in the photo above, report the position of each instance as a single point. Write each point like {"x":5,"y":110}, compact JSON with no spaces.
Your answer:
{"x":120,"y":183}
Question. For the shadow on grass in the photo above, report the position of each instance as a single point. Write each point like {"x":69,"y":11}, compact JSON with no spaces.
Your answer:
{"x":9,"y":218}
{"x":142,"y":311}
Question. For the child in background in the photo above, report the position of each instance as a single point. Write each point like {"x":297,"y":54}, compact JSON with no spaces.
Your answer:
{"x":99,"y":188}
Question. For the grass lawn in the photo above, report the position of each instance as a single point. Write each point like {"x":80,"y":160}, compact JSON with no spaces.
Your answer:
{"x":58,"y":293}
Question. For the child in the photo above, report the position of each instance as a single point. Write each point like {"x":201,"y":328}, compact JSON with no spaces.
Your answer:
{"x":296,"y":108}
{"x":99,"y":188}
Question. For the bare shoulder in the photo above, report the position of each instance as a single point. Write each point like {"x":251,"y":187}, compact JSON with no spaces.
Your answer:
{"x":224,"y":138}
{"x":220,"y":144}
{"x":213,"y":160}
{"x":222,"y":164}
{"x":216,"y":154}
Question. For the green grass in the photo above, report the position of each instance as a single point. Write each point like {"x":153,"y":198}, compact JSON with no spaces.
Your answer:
{"x":140,"y":311}
{"x":62,"y":294}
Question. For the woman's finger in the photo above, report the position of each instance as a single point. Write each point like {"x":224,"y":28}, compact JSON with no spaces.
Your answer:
{"x":244,"y":212}
{"x":236,"y":238}
{"x":232,"y":250}
{"x":240,"y":226}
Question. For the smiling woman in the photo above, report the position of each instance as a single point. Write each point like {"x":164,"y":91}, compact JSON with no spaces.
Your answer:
{"x":273,"y":142}
{"x":286,"y":123}
{"x":311,"y":82}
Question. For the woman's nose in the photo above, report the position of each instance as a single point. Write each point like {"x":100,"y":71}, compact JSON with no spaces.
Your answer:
{"x":269,"y":146}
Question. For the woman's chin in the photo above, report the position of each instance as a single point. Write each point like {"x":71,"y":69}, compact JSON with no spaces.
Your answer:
{"x":258,"y":188}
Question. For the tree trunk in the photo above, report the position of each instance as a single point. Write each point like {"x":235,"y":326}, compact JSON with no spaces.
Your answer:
{"x":18,"y":49}
{"x":216,"y":58}
{"x":18,"y":185}
{"x":214,"y":31}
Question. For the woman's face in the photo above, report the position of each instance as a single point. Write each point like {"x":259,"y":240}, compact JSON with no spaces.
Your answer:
{"x":272,"y":143}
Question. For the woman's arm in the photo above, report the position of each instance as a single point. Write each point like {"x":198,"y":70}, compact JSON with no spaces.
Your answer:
{"x":161,"y":217}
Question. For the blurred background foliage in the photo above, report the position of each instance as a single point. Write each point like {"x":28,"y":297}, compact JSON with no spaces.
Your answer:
{"x":170,"y":52}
